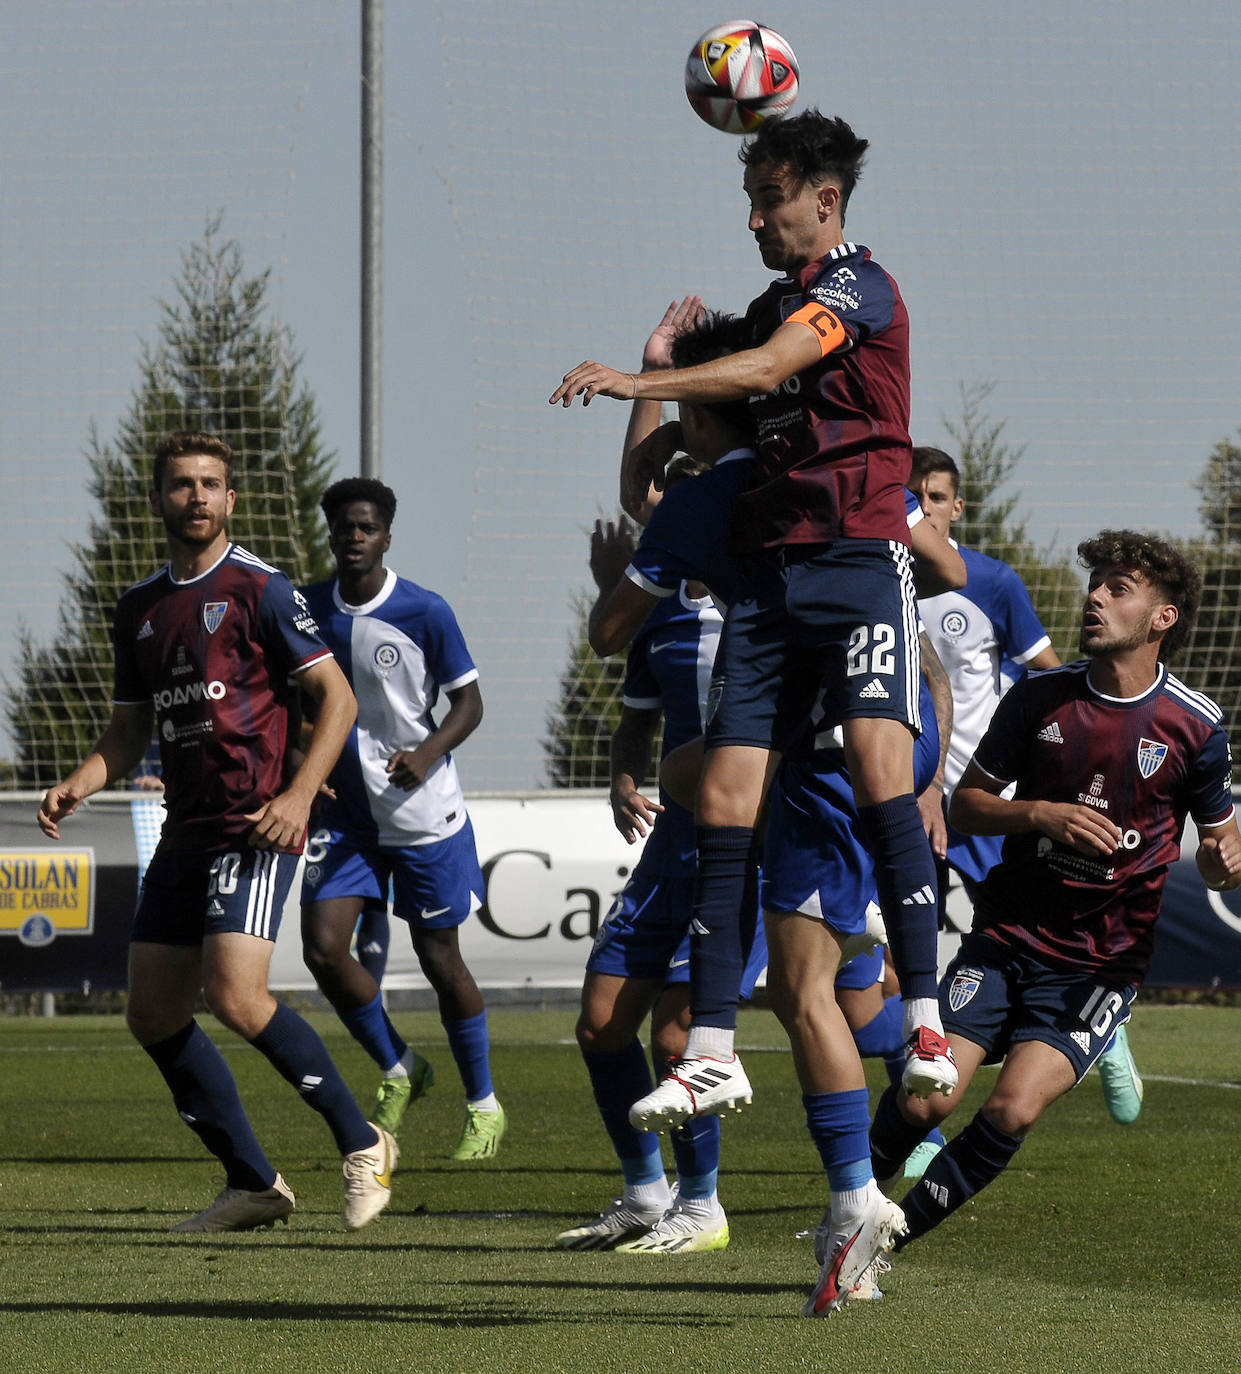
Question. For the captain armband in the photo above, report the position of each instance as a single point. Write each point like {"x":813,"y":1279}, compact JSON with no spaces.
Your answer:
{"x":829,"y":331}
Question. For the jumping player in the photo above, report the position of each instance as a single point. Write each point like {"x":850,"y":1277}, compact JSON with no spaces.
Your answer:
{"x":1108,"y":756}
{"x":205,"y":649}
{"x":832,"y":600}
{"x":398,"y":812}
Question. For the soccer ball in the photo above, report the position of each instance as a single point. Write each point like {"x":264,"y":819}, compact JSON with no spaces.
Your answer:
{"x":740,"y":74}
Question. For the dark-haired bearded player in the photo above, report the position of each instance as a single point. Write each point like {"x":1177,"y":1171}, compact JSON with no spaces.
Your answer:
{"x":1109,"y":755}
{"x":826,"y":533}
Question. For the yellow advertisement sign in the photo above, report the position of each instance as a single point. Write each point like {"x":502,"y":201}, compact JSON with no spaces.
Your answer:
{"x":46,"y":892}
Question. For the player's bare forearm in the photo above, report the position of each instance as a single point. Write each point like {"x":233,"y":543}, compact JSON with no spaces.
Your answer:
{"x":117,"y":753}
{"x":976,"y":810}
{"x":941,"y":697}
{"x":408,"y":768}
{"x":1219,"y":857}
{"x":751,"y":372}
{"x":630,"y":761}
{"x":614,"y":619}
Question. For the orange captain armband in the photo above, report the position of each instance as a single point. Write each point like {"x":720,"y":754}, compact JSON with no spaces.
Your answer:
{"x":828,"y":330}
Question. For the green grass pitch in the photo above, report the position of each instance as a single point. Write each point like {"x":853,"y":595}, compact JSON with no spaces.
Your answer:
{"x":1103,"y":1248}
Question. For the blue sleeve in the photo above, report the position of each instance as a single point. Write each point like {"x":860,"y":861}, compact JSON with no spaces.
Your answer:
{"x":641,"y":690}
{"x":665,"y":556}
{"x":448,"y":658}
{"x":1022,"y":632}
{"x":287,"y":630}
{"x":859,"y":294}
{"x":1210,"y":781}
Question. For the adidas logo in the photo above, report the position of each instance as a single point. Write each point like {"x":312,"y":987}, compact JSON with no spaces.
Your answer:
{"x":703,"y":1079}
{"x":147,"y":630}
{"x":1050,"y":734}
{"x":939,"y":1192}
{"x":873,"y":691}
{"x":923,"y":897}
{"x":309,"y":1083}
{"x":1082,"y":1040}
{"x":215,"y":907}
{"x":697,"y":927}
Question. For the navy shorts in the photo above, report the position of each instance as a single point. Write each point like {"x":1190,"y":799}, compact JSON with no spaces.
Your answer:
{"x":997,"y":997}
{"x":185,"y":897}
{"x":841,"y":621}
{"x":434,"y":886}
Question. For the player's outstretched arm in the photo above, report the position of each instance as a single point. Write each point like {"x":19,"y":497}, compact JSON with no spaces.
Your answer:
{"x":119,"y":751}
{"x":408,"y":768}
{"x":621,"y":608}
{"x":1219,"y":856}
{"x":791,"y":349}
{"x":281,"y":822}
{"x":978,"y":809}
{"x":630,"y":755}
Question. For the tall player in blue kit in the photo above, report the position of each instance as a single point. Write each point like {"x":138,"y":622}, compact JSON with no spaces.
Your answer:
{"x":206,"y":650}
{"x":1108,"y":757}
{"x":398,"y":814}
{"x":832,"y":602}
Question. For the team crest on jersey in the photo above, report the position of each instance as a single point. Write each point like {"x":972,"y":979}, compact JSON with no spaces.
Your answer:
{"x":213,"y":614}
{"x":387,"y":656}
{"x":965,"y":983}
{"x":1151,"y":755}
{"x":954,"y":624}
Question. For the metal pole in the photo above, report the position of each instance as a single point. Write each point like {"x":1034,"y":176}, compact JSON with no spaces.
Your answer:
{"x":370,"y":458}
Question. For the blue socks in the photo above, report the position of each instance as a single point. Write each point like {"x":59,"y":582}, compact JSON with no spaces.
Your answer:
{"x":371,"y":1028}
{"x":618,"y":1080}
{"x":471,"y":1049}
{"x":838,"y":1124}
{"x":206,"y":1098}
{"x":724,"y":904}
{"x":908,"y":893}
{"x":372,"y":940}
{"x":296,"y":1052}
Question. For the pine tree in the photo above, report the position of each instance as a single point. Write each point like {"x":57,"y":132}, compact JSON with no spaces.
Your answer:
{"x":218,"y":365}
{"x":577,"y":745}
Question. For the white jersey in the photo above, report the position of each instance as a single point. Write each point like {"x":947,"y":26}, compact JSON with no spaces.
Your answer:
{"x":984,"y":634}
{"x":399,"y":651}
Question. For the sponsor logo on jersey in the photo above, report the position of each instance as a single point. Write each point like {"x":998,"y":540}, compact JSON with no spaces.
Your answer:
{"x":1094,"y":797}
{"x":213,"y":615}
{"x":1151,"y":755}
{"x":873,"y":691}
{"x":147,"y":631}
{"x":386,"y":657}
{"x":1050,"y":734}
{"x":183,"y":664}
{"x":965,"y":983}
{"x":954,"y":623}
{"x":1081,"y":1039}
{"x":836,"y":293}
{"x":313,"y":875}
{"x":659,"y":648}
{"x":187,"y":692}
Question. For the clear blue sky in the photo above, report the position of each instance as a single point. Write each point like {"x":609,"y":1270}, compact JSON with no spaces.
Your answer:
{"x":1055,"y":189}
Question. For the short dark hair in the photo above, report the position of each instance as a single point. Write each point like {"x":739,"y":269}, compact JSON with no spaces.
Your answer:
{"x":716,"y":335}
{"x":816,"y":149}
{"x":929,"y":460}
{"x":348,"y":489}
{"x":189,"y":443}
{"x":1160,"y":564}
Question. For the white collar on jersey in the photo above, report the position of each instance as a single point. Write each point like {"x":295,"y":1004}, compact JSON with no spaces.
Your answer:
{"x":373,"y":604}
{"x":189,"y":581}
{"x":1125,"y":701}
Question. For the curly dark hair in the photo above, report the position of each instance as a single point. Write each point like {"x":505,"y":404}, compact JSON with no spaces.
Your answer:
{"x":1160,"y":564}
{"x":816,"y":149}
{"x":716,"y":335}
{"x":187,"y":443}
{"x":349,"y":489}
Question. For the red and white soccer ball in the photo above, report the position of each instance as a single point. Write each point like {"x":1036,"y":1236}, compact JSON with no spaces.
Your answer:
{"x":740,"y":74}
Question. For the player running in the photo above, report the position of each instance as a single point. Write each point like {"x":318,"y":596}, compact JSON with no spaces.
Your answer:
{"x":1108,"y":756}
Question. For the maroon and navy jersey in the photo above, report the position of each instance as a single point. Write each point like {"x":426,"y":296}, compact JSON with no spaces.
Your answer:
{"x":1143,"y":762}
{"x":833,"y":441}
{"x":215,"y":656}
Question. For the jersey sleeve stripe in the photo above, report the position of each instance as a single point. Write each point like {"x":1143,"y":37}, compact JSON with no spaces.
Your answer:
{"x":1033,"y":651}
{"x":640,"y":580}
{"x":462,"y":681}
{"x":1195,"y":701}
{"x":310,"y":662}
{"x":642,"y":703}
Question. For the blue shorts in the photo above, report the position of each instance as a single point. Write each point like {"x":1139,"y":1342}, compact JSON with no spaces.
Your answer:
{"x":434,"y":886}
{"x":813,"y":861}
{"x":997,"y":997}
{"x":864,"y":971}
{"x":678,"y":968}
{"x":840,"y":620}
{"x":648,"y":920}
{"x":185,"y":897}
